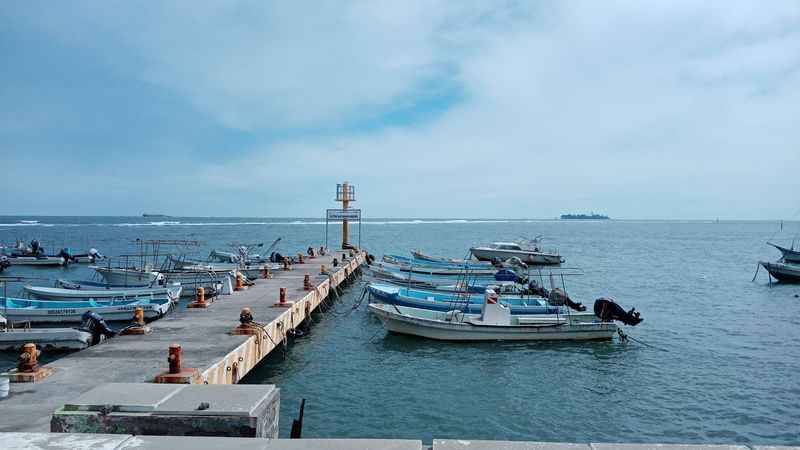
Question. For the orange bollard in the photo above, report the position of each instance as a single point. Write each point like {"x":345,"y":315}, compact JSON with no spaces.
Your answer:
{"x":300,"y":259}
{"x":28,"y":361}
{"x":138,"y":316}
{"x":239,"y":282}
{"x":175,"y":359}
{"x":265,"y":273}
{"x":200,"y":299}
{"x":176,"y":372}
{"x":307,"y":282}
{"x":282,"y":302}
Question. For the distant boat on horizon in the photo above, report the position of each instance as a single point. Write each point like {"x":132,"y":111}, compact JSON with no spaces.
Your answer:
{"x":154,"y":215}
{"x":591,"y":216}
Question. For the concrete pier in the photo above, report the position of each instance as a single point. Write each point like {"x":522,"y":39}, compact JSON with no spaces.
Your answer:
{"x":205,"y":335}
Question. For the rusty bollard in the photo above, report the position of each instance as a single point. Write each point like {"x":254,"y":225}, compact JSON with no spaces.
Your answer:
{"x":200,"y":299}
{"x":282,"y":303}
{"x":175,"y":359}
{"x":28,"y":359}
{"x":239,"y":282}
{"x":307,"y":282}
{"x":286,"y":265}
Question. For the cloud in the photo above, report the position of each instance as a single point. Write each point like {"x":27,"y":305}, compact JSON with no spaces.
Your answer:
{"x":657,"y":109}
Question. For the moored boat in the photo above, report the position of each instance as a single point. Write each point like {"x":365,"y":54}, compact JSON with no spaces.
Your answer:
{"x":126,"y":276}
{"x":783,"y":272}
{"x":419,"y":255}
{"x":172,"y":292}
{"x":48,"y":311}
{"x":470,"y":303}
{"x":494,"y":323}
{"x":45,"y":338}
{"x":506,"y":250}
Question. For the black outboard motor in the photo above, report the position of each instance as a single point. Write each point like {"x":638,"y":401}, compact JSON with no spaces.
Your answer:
{"x":608,"y":310}
{"x":65,"y":253}
{"x":559,"y":297}
{"x":4,"y":263}
{"x":35,"y":248}
{"x":95,"y":324}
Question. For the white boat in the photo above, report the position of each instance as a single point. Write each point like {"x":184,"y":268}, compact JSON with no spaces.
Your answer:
{"x":90,"y":257}
{"x":495,"y":323}
{"x":122,"y":276}
{"x":35,"y":260}
{"x":417,"y":254}
{"x":505,"y":250}
{"x":29,"y":222}
{"x":190,"y":281}
{"x":48,"y":311}
{"x":171,"y":292}
{"x":45,"y":338}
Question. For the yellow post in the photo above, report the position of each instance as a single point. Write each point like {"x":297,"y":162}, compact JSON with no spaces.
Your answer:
{"x":345,"y":205}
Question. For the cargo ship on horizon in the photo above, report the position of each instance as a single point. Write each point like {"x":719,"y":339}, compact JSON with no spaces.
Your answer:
{"x":591,"y":216}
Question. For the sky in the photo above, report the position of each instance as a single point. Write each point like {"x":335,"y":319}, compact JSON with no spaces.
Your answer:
{"x":439,"y":109}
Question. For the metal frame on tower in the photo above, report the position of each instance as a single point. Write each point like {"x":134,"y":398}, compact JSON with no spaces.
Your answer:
{"x":345,"y":193}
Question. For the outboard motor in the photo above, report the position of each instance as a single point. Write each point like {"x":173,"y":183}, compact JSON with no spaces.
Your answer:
{"x":35,"y":248}
{"x":535,"y":289}
{"x":506,"y":275}
{"x":608,"y":310}
{"x":66,"y":254}
{"x":4,"y":263}
{"x":95,"y":324}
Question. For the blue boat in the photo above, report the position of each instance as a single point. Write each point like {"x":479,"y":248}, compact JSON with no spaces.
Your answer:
{"x":49,"y":311}
{"x":472,"y":304}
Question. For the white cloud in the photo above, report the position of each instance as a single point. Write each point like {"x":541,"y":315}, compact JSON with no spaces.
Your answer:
{"x":642,"y":109}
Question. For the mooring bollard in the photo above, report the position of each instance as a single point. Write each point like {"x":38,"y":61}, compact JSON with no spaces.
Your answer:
{"x":175,"y":359}
{"x":300,"y":259}
{"x":200,"y":299}
{"x":286,"y":265}
{"x":28,"y":369}
{"x":239,"y":282}
{"x":322,"y":251}
{"x":307,"y":282}
{"x":282,"y":303}
{"x":176,"y":373}
{"x":265,"y":274}
{"x":28,"y":359}
{"x":138,"y":326}
{"x":323,"y":270}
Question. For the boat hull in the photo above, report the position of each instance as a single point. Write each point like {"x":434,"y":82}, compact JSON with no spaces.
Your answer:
{"x":38,"y":311}
{"x":34,"y":261}
{"x":123,"y":277}
{"x":528,"y":257}
{"x":785,"y":273}
{"x":396,"y":322}
{"x":47,"y":293}
{"x":46,"y":338}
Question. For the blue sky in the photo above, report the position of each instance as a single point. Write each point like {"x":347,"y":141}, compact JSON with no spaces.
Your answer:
{"x":664,"y":109}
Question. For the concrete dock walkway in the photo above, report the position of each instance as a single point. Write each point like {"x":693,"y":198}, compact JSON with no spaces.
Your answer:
{"x":204,"y":334}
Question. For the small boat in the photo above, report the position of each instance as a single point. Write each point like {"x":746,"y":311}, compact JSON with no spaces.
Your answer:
{"x":783,"y":272}
{"x":90,"y":257}
{"x":471,"y":303}
{"x":54,"y":293}
{"x":45,"y":338}
{"x":127,"y":276}
{"x":442,"y":270}
{"x":403,"y":260}
{"x":790,"y":255}
{"x":418,"y":255}
{"x":190,"y":281}
{"x":28,"y":222}
{"x":48,"y":311}
{"x":529,"y":254}
{"x":420,"y":280}
{"x":494,"y":323}
{"x":35,"y":260}
{"x":95,"y":285}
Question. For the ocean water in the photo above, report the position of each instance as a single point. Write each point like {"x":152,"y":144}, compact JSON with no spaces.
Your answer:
{"x":716,"y":360}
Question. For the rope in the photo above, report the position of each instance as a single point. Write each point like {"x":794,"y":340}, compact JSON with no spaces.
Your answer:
{"x":624,"y":337}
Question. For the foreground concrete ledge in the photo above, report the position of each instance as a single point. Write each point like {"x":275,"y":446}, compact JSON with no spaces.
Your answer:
{"x":173,"y":410}
{"x":75,"y":441}
{"x":468,"y":444}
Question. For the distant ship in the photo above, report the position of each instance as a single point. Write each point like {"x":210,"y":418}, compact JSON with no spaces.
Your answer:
{"x":591,"y":216}
{"x":154,"y":215}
